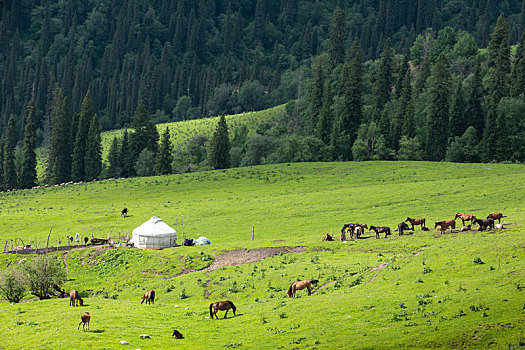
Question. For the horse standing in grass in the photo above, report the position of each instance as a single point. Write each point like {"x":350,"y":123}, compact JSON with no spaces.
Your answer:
{"x":380,"y":229}
{"x":402,"y":227}
{"x":149,"y":296}
{"x":415,"y":222}
{"x":84,"y":320}
{"x":75,"y":299}
{"x":221,"y":305}
{"x":484,"y":224}
{"x":495,"y":216}
{"x":124,"y":212}
{"x":299,"y":285}
{"x":445,"y":224}
{"x":465,"y":217}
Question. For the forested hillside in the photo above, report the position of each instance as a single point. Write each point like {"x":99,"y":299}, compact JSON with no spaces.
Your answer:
{"x":364,"y":79}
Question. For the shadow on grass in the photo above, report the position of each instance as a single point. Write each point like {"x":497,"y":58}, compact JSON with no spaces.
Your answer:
{"x":98,"y":331}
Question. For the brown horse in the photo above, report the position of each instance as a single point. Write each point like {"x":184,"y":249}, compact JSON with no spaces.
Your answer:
{"x":84,"y":320}
{"x":177,"y":335}
{"x":465,"y":217}
{"x":380,"y":229}
{"x":445,"y":224}
{"x":415,"y":222}
{"x":221,"y":305}
{"x":299,"y":285}
{"x":495,"y":216}
{"x":327,"y":237}
{"x":149,"y":296}
{"x":484,"y":224}
{"x":75,"y":299}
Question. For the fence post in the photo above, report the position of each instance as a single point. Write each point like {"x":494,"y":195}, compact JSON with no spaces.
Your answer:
{"x":47,"y":244}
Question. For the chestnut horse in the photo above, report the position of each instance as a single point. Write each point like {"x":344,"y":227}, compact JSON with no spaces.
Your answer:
{"x":465,"y":217}
{"x":327,"y":237}
{"x":415,"y":222}
{"x":299,"y":285}
{"x":75,"y":299}
{"x":381,"y":229}
{"x":445,"y":224}
{"x":221,"y":305}
{"x":495,"y":216}
{"x":149,"y":296}
{"x":84,"y":320}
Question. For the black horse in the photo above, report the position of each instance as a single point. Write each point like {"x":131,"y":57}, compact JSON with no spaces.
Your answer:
{"x":484,"y":224}
{"x":402,"y":227}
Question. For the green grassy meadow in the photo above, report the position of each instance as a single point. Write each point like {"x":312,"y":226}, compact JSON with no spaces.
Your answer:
{"x":461,"y":289}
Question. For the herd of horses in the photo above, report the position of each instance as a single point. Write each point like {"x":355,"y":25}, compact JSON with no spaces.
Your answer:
{"x":355,"y":230}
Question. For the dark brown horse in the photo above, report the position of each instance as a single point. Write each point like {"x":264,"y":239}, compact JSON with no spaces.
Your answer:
{"x":124,"y":212}
{"x":484,"y":224}
{"x":75,"y":299}
{"x":84,"y":320}
{"x":149,"y":296}
{"x":402,"y":227}
{"x":381,"y":229}
{"x":465,"y":217}
{"x":327,"y":237}
{"x":221,"y":305}
{"x":495,"y":216}
{"x":177,"y":335}
{"x":299,"y":285}
{"x":445,"y":224}
{"x":415,"y":222}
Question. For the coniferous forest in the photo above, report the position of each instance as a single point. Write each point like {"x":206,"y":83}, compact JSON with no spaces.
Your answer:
{"x":364,"y":79}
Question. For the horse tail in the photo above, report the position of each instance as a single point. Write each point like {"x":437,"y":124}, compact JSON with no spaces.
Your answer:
{"x":290,"y":290}
{"x":211,"y":310}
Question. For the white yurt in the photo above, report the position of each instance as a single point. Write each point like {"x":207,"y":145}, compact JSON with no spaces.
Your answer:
{"x":154,"y":234}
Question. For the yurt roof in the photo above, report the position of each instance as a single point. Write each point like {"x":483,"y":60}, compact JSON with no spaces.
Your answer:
{"x":154,"y":227}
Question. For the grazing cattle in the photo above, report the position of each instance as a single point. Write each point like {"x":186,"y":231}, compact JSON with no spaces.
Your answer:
{"x":445,"y":224}
{"x":465,"y":228}
{"x":327,"y":237}
{"x":177,"y":335}
{"x":424,"y":228}
{"x":484,"y":224}
{"x":75,"y":299}
{"x":124,"y":212}
{"x":495,"y":216}
{"x":84,"y":320}
{"x":221,"y":305}
{"x":402,"y":227}
{"x":465,"y":217}
{"x":299,"y":285}
{"x":415,"y":222}
{"x":149,"y":296}
{"x":381,"y":229}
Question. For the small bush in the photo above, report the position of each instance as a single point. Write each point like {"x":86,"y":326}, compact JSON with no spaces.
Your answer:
{"x":12,"y":285}
{"x":478,"y":261}
{"x":182,"y":294}
{"x":45,"y":275}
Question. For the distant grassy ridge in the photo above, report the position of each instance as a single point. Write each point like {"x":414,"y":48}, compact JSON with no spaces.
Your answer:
{"x":435,"y":291}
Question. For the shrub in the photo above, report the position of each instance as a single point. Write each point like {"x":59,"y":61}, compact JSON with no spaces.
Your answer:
{"x":12,"y":285}
{"x":44,"y":275}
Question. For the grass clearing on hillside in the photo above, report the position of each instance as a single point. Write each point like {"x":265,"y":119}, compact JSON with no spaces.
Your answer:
{"x":432,"y":291}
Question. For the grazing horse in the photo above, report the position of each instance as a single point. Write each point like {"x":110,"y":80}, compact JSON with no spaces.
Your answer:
{"x":299,"y":285}
{"x":484,"y":224}
{"x":149,"y":296}
{"x":445,"y":224}
{"x":221,"y":305}
{"x":351,"y":230}
{"x":177,"y":335}
{"x":402,"y":227}
{"x":84,"y":320}
{"x":327,"y":237}
{"x":124,"y":212}
{"x":465,"y":217}
{"x":380,"y":229}
{"x":495,"y":216}
{"x":415,"y":222}
{"x":75,"y":299}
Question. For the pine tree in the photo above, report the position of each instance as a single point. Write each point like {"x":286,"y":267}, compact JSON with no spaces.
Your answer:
{"x":220,"y":146}
{"x":383,"y":83}
{"x":438,"y":111}
{"x":9,"y":155}
{"x":325,"y":121}
{"x":424,"y":73}
{"x":114,"y":161}
{"x":145,"y":135}
{"x":79,"y":152}
{"x":518,"y":69}
{"x":458,"y":119}
{"x":316,"y":93}
{"x":336,"y":46}
{"x":408,"y":128}
{"x":126,"y":156}
{"x":474,"y":104}
{"x":27,"y":176}
{"x":401,"y":122}
{"x":164,"y":156}
{"x":59,"y":151}
{"x":93,"y":160}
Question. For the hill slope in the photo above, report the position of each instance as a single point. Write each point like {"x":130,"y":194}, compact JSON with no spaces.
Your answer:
{"x":422,"y":290}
